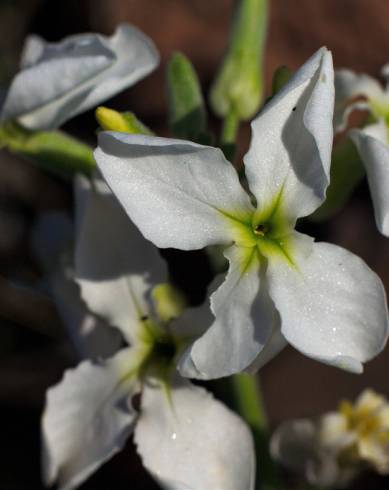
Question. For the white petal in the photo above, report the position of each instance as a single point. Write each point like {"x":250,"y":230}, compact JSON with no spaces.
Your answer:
{"x":334,"y":431}
{"x":372,"y":144}
{"x":296,"y":446}
{"x":193,"y":322}
{"x":190,"y":441}
{"x":92,"y":338}
{"x":243,"y":322}
{"x":60,"y":80}
{"x":57,"y":74}
{"x":273,"y":346}
{"x":375,"y":453}
{"x":114,"y":265}
{"x":175,"y":191}
{"x":349,"y":85}
{"x":385,"y":71}
{"x":136,"y":57}
{"x":290,"y":150}
{"x":293,"y":443}
{"x":87,"y":419}
{"x":332,"y":306}
{"x":191,"y":325}
{"x":41,"y":94}
{"x":33,"y":49}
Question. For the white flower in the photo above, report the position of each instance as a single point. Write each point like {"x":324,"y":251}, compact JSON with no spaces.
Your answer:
{"x":365,"y":424}
{"x":186,"y":438}
{"x":333,"y":449}
{"x":372,"y":142}
{"x":358,"y":91}
{"x":303,"y":447}
{"x":60,"y":80}
{"x":280,"y":285}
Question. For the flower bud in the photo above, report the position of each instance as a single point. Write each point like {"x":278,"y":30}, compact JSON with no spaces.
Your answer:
{"x":123,"y":122}
{"x":239,"y":84}
{"x":168,"y":302}
{"x":187,"y":114}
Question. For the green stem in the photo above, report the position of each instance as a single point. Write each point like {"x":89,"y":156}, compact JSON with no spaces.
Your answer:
{"x":248,"y":402}
{"x":229,"y":133}
{"x":54,"y":151}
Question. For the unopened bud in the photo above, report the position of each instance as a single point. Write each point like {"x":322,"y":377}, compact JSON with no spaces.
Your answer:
{"x":239,"y":84}
{"x":168,"y":301}
{"x":187,"y":114}
{"x":123,"y":122}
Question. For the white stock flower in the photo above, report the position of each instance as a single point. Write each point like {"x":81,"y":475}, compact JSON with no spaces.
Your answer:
{"x":358,"y":91}
{"x":186,"y":438}
{"x":333,"y":449}
{"x":372,"y":141}
{"x":281,"y":286}
{"x":57,"y":81}
{"x":298,"y":445}
{"x":366,"y":426}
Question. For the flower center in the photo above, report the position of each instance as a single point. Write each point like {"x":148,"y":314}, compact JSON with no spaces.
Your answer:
{"x":365,"y":421}
{"x":162,"y":344}
{"x":164,"y":350}
{"x":161,"y":350}
{"x":261,"y":229}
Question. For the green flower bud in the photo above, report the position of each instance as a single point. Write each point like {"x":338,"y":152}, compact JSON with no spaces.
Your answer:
{"x":187,"y":114}
{"x":123,"y":122}
{"x":169,"y":303}
{"x":239,"y":84}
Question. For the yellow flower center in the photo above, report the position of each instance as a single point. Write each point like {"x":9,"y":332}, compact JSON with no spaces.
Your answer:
{"x":365,"y":418}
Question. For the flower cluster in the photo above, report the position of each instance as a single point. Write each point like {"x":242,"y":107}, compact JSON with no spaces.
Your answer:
{"x":336,"y":447}
{"x":141,"y":341}
{"x":90,"y":414}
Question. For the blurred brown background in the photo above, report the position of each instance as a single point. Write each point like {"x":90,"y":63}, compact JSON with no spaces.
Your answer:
{"x":33,"y":348}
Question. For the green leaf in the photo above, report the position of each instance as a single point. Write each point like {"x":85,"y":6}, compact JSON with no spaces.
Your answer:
{"x":346,"y":173}
{"x":239,"y":84}
{"x":54,"y":151}
{"x":187,"y":113}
